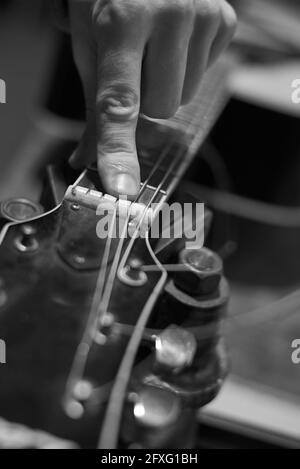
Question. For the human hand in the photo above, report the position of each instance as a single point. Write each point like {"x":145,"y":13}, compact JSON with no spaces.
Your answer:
{"x":137,"y":56}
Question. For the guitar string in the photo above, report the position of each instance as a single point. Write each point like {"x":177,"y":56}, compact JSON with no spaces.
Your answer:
{"x":115,"y":266}
{"x":82,"y":351}
{"x":84,"y":346}
{"x":112,"y":420}
{"x":110,"y":427}
{"x":284,"y":309}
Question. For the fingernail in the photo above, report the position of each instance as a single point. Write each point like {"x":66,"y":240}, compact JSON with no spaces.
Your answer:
{"x":125,"y":184}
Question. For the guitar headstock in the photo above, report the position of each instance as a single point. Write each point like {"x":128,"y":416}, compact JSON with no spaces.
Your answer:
{"x":102,"y":335}
{"x":66,"y":360}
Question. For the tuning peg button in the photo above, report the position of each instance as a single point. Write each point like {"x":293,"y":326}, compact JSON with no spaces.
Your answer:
{"x":175,"y":348}
{"x":155,"y":408}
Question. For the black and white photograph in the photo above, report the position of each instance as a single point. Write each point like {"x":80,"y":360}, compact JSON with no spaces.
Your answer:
{"x":149,"y":228}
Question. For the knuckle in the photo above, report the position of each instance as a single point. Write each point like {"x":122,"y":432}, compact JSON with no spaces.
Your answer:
{"x":182,"y":6}
{"x":178,"y":9}
{"x":118,"y":103}
{"x":209,"y":10}
{"x":119,"y":12}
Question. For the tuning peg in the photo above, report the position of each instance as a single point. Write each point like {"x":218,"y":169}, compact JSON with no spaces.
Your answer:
{"x":175,"y":348}
{"x":156,"y":418}
{"x":203,"y":272}
{"x":155,"y":408}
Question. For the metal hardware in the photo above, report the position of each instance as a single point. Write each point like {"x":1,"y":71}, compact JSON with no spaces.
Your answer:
{"x":132,"y":274}
{"x":20,"y":209}
{"x":203,"y":273}
{"x":26,"y":241}
{"x":155,"y":408}
{"x":74,"y":409}
{"x":83,"y":390}
{"x":175,"y":348}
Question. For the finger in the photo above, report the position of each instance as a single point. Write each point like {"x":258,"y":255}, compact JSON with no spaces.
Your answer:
{"x":205,"y":29}
{"x":225,"y":33}
{"x":165,"y":63}
{"x":121,"y":44}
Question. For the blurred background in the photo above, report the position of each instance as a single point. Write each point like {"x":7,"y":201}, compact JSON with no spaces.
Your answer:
{"x":248,"y":171}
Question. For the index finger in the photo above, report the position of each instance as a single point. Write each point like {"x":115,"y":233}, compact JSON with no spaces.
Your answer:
{"x":121,"y":41}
